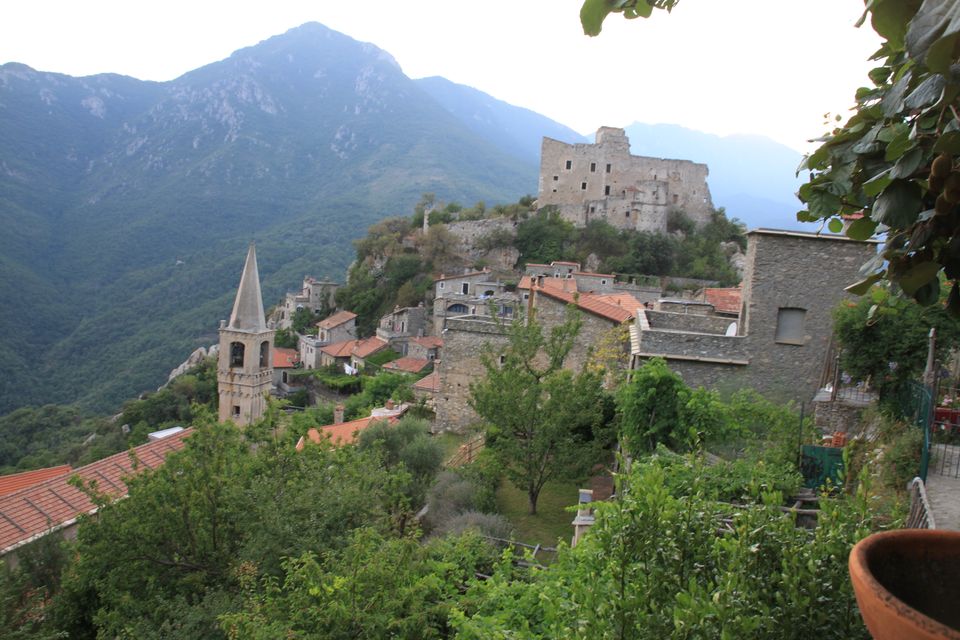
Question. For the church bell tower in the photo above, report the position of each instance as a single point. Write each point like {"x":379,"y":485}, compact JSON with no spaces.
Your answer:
{"x":245,"y":360}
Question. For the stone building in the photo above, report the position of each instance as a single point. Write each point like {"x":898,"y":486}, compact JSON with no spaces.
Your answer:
{"x":315,"y":295}
{"x":471,"y":293}
{"x":401,"y":324}
{"x":340,"y":327}
{"x":778,"y":343}
{"x":603,"y":181}
{"x":245,"y":355}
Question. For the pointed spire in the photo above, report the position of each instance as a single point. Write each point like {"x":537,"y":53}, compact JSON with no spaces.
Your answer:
{"x":248,"y":308}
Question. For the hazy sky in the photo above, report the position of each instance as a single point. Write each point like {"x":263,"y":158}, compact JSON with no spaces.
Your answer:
{"x":766,"y":67}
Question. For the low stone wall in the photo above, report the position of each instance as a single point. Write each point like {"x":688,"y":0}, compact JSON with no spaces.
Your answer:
{"x":837,"y":416}
{"x":695,"y":323}
{"x":693,"y":346}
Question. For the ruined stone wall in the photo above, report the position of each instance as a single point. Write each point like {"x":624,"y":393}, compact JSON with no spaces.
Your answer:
{"x":469,"y":232}
{"x":464,"y":341}
{"x":604,"y":181}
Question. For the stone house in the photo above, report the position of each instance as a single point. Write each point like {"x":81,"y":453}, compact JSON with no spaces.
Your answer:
{"x":285,"y":362}
{"x":603,"y":181}
{"x":471,"y":293}
{"x":778,"y":342}
{"x":314,"y":295}
{"x":426,"y":389}
{"x":427,"y":347}
{"x":401,"y":324}
{"x":340,"y":326}
{"x":351,"y":352}
{"x":342,"y":433}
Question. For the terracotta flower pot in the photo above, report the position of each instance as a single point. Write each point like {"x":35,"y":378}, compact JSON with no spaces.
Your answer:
{"x":907,"y":583}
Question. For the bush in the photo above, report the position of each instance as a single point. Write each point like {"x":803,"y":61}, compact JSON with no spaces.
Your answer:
{"x":493,"y":525}
{"x":451,"y":495}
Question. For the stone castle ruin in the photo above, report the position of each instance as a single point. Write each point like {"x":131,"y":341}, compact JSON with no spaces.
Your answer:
{"x":603,"y":181}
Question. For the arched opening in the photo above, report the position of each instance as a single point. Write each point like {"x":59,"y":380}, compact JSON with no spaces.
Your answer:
{"x":264,"y":354}
{"x":457,"y":308}
{"x":236,"y":354}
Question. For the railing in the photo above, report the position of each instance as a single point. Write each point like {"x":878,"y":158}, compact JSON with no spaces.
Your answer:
{"x":466,"y":453}
{"x":921,"y":516}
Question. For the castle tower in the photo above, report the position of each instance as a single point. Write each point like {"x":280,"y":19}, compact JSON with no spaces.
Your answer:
{"x":245,"y":361}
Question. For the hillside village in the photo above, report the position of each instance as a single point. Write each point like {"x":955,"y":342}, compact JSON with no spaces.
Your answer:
{"x":318,"y":387}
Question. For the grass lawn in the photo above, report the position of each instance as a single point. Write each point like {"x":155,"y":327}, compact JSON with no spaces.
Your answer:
{"x":450,"y":442}
{"x":552,"y":522}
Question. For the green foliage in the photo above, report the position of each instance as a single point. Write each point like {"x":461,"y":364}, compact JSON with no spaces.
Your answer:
{"x":407,"y":444}
{"x":594,"y":12}
{"x":884,"y":340}
{"x":540,"y":419}
{"x":545,"y":237}
{"x":656,"y":407}
{"x":285,"y":339}
{"x":381,"y":358}
{"x":655,"y":566}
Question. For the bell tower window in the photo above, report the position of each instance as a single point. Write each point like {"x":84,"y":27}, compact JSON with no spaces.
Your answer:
{"x":264,"y":354}
{"x":236,"y":354}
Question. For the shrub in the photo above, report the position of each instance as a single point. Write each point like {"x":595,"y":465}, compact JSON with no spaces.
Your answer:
{"x":493,"y":525}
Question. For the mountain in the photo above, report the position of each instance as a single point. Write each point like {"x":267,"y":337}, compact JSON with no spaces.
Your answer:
{"x":515,"y":130}
{"x":753,"y":177}
{"x":127,"y":205}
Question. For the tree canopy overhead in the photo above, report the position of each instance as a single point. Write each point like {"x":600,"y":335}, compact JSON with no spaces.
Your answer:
{"x":891,"y":168}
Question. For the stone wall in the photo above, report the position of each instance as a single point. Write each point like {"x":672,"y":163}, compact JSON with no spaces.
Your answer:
{"x":464,"y":341}
{"x":551,"y":313}
{"x":604,"y":181}
{"x":469,"y":232}
{"x":695,"y":323}
{"x":837,"y":416}
{"x":695,"y":346}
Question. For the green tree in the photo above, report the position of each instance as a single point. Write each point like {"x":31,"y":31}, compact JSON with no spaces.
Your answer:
{"x":884,"y":339}
{"x":545,"y":237}
{"x":537,"y":413}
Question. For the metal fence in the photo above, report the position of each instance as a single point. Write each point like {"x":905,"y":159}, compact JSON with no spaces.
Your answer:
{"x":916,"y":404}
{"x":921,"y":517}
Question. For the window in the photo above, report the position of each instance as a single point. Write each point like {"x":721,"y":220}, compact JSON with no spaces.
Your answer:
{"x":284,"y":377}
{"x":790,"y":325}
{"x":526,"y":296}
{"x":236,"y":354}
{"x":441,"y":285}
{"x":603,"y":282}
{"x":555,"y":178}
{"x":593,"y":209}
{"x":606,"y":190}
{"x":264,"y":354}
{"x":503,"y":360}
{"x":457,"y":308}
{"x":569,"y":165}
{"x":626,"y":214}
{"x":465,"y":288}
{"x":675,"y":198}
{"x":608,"y":168}
{"x":506,"y":311}
{"x":583,"y":186}
{"x":593,"y":167}
{"x":236,"y":411}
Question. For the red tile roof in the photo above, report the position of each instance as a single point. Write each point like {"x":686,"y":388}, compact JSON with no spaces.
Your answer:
{"x":429,"y":342}
{"x":337,"y":319}
{"x":34,"y":511}
{"x":562,"y":284}
{"x":339,"y":349}
{"x":589,"y":303}
{"x":340,"y":434}
{"x":430,"y":383}
{"x":407,"y":365}
{"x":625,"y":300}
{"x":285,"y":358}
{"x":17,"y":481}
{"x":368,"y":347}
{"x":724,"y":300}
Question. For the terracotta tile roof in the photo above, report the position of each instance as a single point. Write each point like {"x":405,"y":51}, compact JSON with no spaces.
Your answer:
{"x":368,"y":347}
{"x":340,"y":434}
{"x":589,"y":303}
{"x":17,"y":481}
{"x":442,"y":276}
{"x":36,"y":510}
{"x":561,"y":284}
{"x":724,"y":300}
{"x":625,"y":300}
{"x":337,"y":319}
{"x":430,"y":382}
{"x":429,"y":342}
{"x":407,"y":365}
{"x":285,"y":358}
{"x":339,"y":349}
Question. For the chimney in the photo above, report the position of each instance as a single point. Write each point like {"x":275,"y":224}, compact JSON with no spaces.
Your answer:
{"x":338,"y":414}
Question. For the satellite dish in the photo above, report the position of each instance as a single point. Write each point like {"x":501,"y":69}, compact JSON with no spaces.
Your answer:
{"x":731,"y":330}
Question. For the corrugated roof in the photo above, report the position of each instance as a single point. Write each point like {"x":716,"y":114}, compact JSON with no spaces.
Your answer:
{"x":50,"y":505}
{"x":408,"y":365}
{"x":17,"y":481}
{"x":337,"y":319}
{"x":285,"y":358}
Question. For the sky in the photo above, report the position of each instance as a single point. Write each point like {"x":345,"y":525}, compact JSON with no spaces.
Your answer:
{"x":764,"y":67}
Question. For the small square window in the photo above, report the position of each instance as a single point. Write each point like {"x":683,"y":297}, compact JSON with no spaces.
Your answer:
{"x":569,"y":165}
{"x":593,"y":209}
{"x":583,"y":186}
{"x":790,"y":322}
{"x":627,"y":214}
{"x":555,"y":178}
{"x":503,"y":359}
{"x":441,"y":285}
